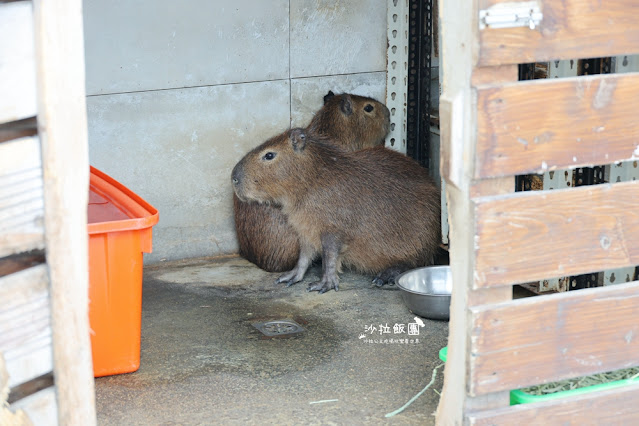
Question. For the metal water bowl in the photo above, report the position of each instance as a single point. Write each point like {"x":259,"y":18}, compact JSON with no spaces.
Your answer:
{"x":426,"y":291}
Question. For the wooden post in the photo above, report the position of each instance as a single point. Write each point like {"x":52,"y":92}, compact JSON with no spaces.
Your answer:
{"x":63,"y":132}
{"x":458,"y":115}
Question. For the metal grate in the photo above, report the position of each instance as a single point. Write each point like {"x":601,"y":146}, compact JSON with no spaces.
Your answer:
{"x":278,"y":327}
{"x":420,"y":40}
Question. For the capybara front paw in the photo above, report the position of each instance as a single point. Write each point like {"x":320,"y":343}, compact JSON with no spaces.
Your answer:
{"x":288,"y":278}
{"x":324,"y":285}
{"x":288,"y":282}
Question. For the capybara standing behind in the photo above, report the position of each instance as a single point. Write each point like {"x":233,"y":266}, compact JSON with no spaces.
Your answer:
{"x":375,"y":210}
{"x":264,"y":236}
{"x":350,"y":121}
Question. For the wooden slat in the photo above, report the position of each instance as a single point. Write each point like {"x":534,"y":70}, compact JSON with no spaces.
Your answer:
{"x":62,"y":123}
{"x":40,"y":408}
{"x":25,"y":324}
{"x":536,"y":235}
{"x":29,"y":388}
{"x":18,"y":262}
{"x":547,"y":338}
{"x":21,"y":196}
{"x":548,"y":124}
{"x":17,"y":64}
{"x":569,"y":29}
{"x":618,"y":406}
{"x":18,"y":129}
{"x":493,"y":75}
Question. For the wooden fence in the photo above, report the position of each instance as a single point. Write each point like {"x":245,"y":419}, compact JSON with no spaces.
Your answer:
{"x":495,"y":127}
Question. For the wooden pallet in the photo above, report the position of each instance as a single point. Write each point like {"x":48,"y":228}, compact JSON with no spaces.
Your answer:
{"x":45,"y":355}
{"x":494,"y":127}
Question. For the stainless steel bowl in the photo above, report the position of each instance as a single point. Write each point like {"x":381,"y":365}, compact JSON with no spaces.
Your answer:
{"x":426,"y":291}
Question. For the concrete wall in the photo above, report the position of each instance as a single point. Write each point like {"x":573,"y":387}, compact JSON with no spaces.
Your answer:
{"x":177,"y":92}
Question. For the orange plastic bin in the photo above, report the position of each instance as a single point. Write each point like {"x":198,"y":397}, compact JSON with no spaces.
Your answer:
{"x":120,"y":230}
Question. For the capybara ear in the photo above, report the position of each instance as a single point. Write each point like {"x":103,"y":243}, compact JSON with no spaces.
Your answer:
{"x":328,"y":96}
{"x":346,"y":105}
{"x":298,"y":139}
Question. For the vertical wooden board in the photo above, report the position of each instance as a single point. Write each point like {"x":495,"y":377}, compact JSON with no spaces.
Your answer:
{"x":21,"y":196}
{"x":25,"y":324}
{"x":546,"y":124}
{"x":17,"y":64}
{"x":543,"y":339}
{"x":618,"y":406}
{"x":59,"y":47}
{"x":569,"y":29}
{"x":40,"y":408}
{"x":545,"y":234}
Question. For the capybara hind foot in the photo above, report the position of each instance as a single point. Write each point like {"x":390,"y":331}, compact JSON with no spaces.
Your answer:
{"x":388,"y":275}
{"x":326,"y":284}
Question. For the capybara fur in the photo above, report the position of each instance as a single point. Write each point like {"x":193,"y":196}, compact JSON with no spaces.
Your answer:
{"x":264,"y":236}
{"x":373,"y":210}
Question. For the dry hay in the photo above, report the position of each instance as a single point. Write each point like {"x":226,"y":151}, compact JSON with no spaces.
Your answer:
{"x":582,"y":382}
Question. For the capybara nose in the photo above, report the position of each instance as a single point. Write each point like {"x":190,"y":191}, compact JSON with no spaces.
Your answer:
{"x":236,"y":175}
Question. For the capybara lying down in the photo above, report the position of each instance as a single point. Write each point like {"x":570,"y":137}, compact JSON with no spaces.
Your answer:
{"x":264,"y":235}
{"x":374,"y":210}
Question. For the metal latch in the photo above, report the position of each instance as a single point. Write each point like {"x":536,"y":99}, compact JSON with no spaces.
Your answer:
{"x":511,"y":15}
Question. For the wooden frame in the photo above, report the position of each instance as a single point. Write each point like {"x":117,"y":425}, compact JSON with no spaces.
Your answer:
{"x":63,"y":132}
{"x":43,"y":204}
{"x":497,"y":238}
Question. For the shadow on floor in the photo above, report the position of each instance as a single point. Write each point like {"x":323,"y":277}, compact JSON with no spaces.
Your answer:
{"x":203,"y":362}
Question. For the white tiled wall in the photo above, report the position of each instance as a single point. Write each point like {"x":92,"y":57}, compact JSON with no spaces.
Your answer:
{"x":337,"y":37}
{"x":179,"y":91}
{"x":163,"y":44}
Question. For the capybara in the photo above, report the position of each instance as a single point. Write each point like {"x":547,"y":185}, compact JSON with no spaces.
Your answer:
{"x":263,"y":233}
{"x":351,"y":121}
{"x":374,"y":210}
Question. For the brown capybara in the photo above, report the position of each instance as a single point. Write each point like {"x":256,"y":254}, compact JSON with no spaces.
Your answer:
{"x":374,"y":210}
{"x":264,"y":236}
{"x":351,"y":121}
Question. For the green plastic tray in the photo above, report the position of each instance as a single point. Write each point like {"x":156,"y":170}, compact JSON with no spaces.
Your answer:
{"x":520,"y":397}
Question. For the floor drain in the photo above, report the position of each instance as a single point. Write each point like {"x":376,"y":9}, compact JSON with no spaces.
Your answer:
{"x":278,"y":327}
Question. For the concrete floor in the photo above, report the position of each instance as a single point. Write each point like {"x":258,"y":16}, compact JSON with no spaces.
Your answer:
{"x":203,"y":362}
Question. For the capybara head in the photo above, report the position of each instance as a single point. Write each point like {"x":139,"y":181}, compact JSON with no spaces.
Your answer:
{"x":352,"y":121}
{"x":268,"y":172}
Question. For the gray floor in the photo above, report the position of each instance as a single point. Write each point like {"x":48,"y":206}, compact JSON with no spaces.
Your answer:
{"x":203,"y":362}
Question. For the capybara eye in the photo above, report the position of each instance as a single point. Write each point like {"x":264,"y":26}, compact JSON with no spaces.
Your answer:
{"x":269,"y":156}
{"x":368,"y":108}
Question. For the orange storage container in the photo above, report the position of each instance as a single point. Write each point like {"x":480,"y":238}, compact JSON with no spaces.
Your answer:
{"x":120,"y":229}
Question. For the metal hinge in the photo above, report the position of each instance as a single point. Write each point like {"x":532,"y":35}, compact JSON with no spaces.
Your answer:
{"x":511,"y":15}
